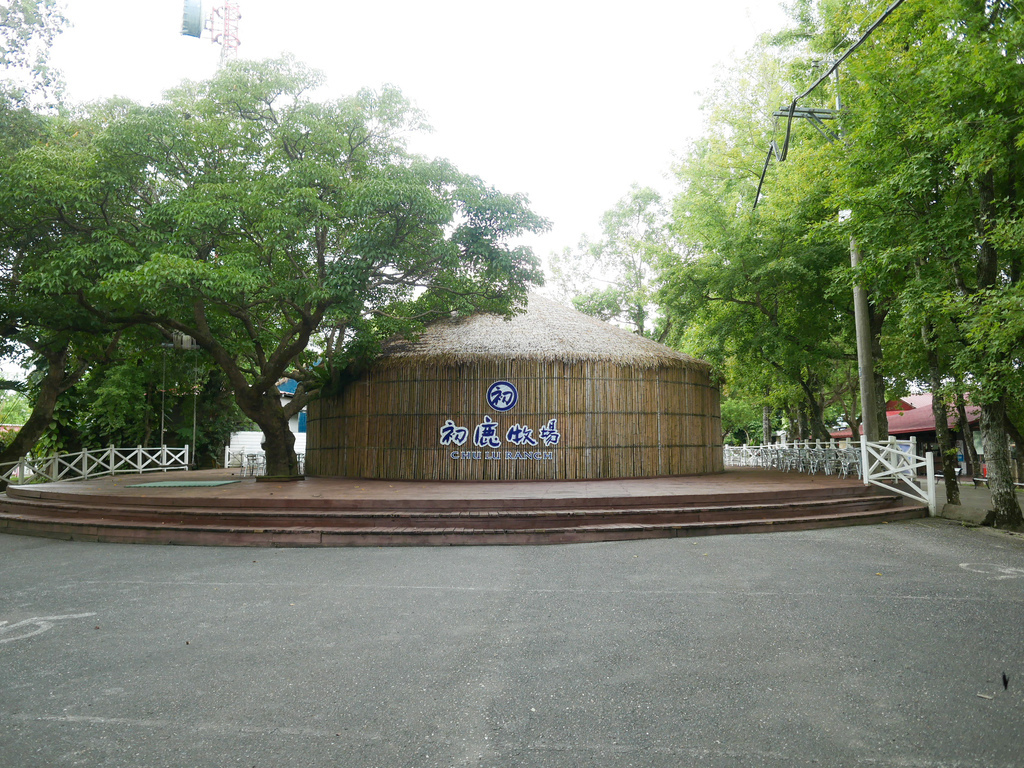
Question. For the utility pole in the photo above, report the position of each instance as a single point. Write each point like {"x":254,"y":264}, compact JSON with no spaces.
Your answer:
{"x":865,"y":360}
{"x":862,"y":323}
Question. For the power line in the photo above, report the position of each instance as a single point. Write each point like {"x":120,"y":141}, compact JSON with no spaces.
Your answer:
{"x":815,"y":115}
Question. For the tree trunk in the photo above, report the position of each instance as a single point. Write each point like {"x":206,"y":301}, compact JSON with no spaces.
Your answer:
{"x":947,"y":451}
{"x":946,"y":448}
{"x":1018,"y":440}
{"x":263,"y":407}
{"x":147,"y":425}
{"x":819,"y":431}
{"x":52,"y":385}
{"x":803,"y":430}
{"x":766,"y":425}
{"x":814,"y":415}
{"x":1006,"y":511}
{"x":877,"y":318}
{"x":278,"y":440}
{"x":968,"y":436}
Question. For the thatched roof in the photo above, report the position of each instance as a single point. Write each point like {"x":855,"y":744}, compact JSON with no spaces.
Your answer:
{"x":547,"y":331}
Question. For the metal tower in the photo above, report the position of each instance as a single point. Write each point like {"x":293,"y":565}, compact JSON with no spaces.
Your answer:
{"x":222,"y":25}
{"x":224,"y":28}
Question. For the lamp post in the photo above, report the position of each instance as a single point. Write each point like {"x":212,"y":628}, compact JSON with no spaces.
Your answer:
{"x":187,"y":343}
{"x":163,"y":391}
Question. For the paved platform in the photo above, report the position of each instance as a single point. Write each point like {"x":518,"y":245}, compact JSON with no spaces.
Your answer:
{"x":224,"y":508}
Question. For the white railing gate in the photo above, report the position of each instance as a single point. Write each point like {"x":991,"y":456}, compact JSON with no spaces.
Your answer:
{"x":894,"y":465}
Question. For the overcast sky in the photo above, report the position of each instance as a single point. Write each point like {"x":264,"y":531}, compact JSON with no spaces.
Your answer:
{"x":567,"y":102}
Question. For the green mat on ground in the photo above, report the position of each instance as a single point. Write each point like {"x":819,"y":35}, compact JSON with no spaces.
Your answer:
{"x":183,"y":484}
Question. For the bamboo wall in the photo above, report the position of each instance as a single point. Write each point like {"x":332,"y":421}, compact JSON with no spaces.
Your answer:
{"x":613,"y":420}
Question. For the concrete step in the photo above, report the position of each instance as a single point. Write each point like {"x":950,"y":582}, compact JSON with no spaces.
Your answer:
{"x":215,"y":507}
{"x":432,"y":518}
{"x":395,"y":533}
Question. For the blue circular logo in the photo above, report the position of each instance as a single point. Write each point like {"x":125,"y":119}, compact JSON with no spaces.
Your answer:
{"x":502,"y":396}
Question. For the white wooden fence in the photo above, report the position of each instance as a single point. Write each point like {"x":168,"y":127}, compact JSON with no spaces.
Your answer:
{"x":87,"y":464}
{"x":893,"y":465}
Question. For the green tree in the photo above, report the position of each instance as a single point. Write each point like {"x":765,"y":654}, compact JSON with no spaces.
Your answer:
{"x":14,"y":407}
{"x":149,"y":395}
{"x":741,"y":422}
{"x":624,"y":258}
{"x":27,"y":31}
{"x":762,"y":292}
{"x":44,"y":335}
{"x":45,"y":332}
{"x":930,"y":165}
{"x":285,"y":235}
{"x":933,"y":171}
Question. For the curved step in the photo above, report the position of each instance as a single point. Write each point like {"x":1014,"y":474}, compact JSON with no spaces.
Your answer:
{"x":248,"y":517}
{"x":340,"y":512}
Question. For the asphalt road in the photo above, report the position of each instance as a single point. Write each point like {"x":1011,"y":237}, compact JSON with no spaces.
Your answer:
{"x":867,"y":646}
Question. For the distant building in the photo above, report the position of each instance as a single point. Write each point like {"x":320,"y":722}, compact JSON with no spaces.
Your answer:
{"x":912,"y":416}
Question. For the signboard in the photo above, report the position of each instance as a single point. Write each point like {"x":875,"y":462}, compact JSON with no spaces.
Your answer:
{"x":492,"y":442}
{"x":502,"y":396}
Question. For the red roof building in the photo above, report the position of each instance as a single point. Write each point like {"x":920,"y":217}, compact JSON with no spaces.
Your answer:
{"x":912,"y":415}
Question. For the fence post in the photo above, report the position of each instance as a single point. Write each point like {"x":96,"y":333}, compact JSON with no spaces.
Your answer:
{"x":932,"y":502}
{"x":865,"y":459}
{"x":163,"y":457}
{"x":110,"y":458}
{"x":186,"y":458}
{"x":21,"y":470}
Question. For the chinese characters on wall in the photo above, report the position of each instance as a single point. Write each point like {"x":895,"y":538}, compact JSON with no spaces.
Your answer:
{"x":501,"y":396}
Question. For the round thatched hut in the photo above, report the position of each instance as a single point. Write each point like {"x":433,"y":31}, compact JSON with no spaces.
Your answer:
{"x":549,"y":394}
